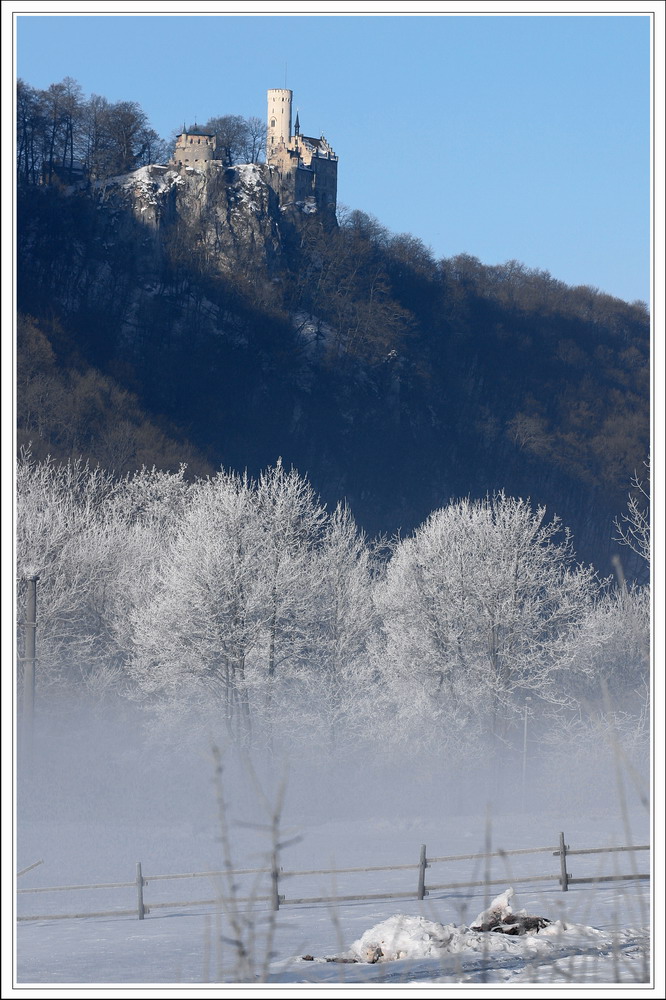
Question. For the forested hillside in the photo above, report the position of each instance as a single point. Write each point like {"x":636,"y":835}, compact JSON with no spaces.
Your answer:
{"x":305,"y":478}
{"x":194,"y":321}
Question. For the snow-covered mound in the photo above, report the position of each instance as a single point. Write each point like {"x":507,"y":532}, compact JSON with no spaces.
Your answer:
{"x":405,"y":937}
{"x":402,"y":936}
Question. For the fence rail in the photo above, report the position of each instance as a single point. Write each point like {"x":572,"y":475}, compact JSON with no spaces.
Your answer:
{"x":496,"y":854}
{"x":565,"y":851}
{"x":29,"y":868}
{"x":276,"y":900}
{"x":236,"y":871}
{"x":72,"y":888}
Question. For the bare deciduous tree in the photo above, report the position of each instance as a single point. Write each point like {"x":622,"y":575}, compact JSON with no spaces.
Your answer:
{"x":232,"y":137}
{"x":633,"y":528}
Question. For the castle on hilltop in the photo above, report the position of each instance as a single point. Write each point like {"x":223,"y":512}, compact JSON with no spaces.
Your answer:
{"x":302,"y":170}
{"x":195,"y":146}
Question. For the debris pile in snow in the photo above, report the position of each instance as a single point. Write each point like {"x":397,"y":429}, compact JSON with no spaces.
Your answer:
{"x":500,"y":918}
{"x":404,"y":937}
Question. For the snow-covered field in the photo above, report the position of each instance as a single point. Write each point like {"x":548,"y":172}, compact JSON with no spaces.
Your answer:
{"x":189,"y":948}
{"x":94,"y":813}
{"x":103,"y":799}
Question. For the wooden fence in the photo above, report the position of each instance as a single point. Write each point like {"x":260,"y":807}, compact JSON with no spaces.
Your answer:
{"x":278,"y":876}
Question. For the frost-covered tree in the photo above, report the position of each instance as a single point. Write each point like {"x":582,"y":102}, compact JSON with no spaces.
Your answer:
{"x":94,"y":543}
{"x":61,"y":538}
{"x":633,"y":527}
{"x":615,"y":644}
{"x":480,"y":607}
{"x":195,"y":637}
{"x":337,"y":681}
{"x":291,"y":518}
{"x":148,"y":506}
{"x":348,"y":613}
{"x":240,"y":602}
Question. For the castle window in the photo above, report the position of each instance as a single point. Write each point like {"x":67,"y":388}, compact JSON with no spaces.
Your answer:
{"x":272,"y":122}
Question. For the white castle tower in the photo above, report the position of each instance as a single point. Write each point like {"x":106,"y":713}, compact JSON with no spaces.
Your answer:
{"x":279,"y":119}
{"x":303,"y":170}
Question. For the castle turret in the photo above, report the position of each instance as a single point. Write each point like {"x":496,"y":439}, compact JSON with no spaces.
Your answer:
{"x":195,"y":145}
{"x":279,"y":119}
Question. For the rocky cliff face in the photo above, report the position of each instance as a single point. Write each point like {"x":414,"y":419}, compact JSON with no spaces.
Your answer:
{"x":230,"y":214}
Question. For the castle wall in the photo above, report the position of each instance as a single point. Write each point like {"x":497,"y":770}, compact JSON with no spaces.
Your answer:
{"x":284,"y":159}
{"x":294,"y":182}
{"x":326,"y":183}
{"x":192,"y":148}
{"x":304,"y":184}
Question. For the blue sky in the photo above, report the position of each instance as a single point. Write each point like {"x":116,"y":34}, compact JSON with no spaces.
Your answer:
{"x":507,"y":137}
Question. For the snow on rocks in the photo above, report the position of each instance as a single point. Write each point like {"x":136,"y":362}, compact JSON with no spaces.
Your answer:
{"x":249,"y":174}
{"x":145,"y":190}
{"x":146,"y":180}
{"x":249,"y":185}
{"x":150,"y":180}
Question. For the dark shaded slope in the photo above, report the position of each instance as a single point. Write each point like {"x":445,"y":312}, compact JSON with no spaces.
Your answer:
{"x":386,"y":376}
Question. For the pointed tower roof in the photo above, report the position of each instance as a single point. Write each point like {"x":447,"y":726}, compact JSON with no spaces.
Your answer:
{"x":297,"y":126}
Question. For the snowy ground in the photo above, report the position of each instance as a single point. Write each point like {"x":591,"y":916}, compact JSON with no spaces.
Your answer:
{"x":183,"y":948}
{"x":599,"y":934}
{"x":93,"y":825}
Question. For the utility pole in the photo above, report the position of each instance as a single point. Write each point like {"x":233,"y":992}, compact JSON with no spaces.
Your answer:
{"x":29,"y":668}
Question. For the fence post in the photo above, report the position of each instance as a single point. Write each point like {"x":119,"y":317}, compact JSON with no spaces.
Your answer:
{"x":564,"y":878}
{"x":423,"y":864}
{"x":139,"y":891}
{"x":274,"y":883}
